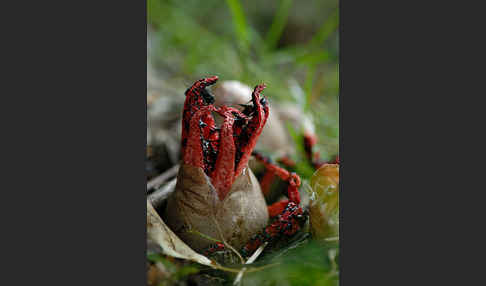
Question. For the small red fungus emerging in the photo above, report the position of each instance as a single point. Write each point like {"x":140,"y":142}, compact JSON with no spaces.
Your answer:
{"x":216,"y":193}
{"x":221,"y":152}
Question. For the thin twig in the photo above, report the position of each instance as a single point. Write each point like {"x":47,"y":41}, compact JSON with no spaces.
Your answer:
{"x":157,"y":197}
{"x":224,"y":241}
{"x":162,"y":178}
{"x":249,"y":270}
{"x":249,"y":261}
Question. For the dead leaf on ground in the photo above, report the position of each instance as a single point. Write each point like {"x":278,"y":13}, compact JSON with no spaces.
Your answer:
{"x":172,"y":245}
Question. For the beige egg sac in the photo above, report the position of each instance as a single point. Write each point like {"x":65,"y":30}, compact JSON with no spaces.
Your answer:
{"x":194,"y":211}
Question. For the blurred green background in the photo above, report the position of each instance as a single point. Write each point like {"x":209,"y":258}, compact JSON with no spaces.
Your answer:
{"x":291,"y":46}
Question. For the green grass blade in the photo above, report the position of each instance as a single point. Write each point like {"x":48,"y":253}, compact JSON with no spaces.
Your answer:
{"x":155,"y":12}
{"x":278,"y":24}
{"x":239,"y":23}
{"x":327,"y":28}
{"x":309,"y":83}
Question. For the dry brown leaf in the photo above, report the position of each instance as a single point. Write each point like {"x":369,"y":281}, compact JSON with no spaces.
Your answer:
{"x":170,"y":243}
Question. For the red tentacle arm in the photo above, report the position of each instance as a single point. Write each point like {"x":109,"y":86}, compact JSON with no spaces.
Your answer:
{"x":254,"y":128}
{"x":287,"y":223}
{"x":223,"y":174}
{"x":266,"y":182}
{"x":195,"y":98}
{"x":286,"y":161}
{"x":293,"y":185}
{"x":313,"y":156}
{"x":193,"y":154}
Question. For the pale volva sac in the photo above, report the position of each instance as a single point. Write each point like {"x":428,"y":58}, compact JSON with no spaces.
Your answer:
{"x":194,"y":208}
